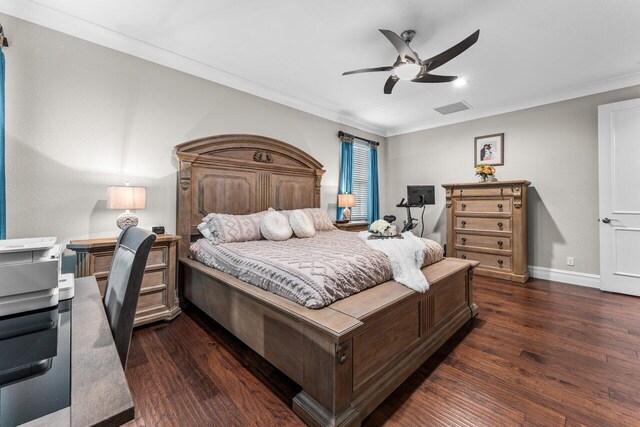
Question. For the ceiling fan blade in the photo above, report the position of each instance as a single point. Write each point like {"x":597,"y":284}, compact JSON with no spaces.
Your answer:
{"x":367,"y":70}
{"x":433,"y":78}
{"x":401,"y":46}
{"x":446,"y":56}
{"x":391,"y":82}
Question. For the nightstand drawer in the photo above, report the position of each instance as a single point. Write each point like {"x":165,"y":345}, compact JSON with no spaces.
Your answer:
{"x":483,"y":206}
{"x":486,"y":224}
{"x":151,"y":300}
{"x":489,"y":242}
{"x":102,"y":261}
{"x":487,"y":260}
{"x":150,"y":279}
{"x":157,"y":256}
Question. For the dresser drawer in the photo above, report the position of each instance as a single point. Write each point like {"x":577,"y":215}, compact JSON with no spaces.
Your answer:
{"x":487,"y":260}
{"x":483,"y":206}
{"x":490,"y":242}
{"x":482,"y":192}
{"x":486,"y":224}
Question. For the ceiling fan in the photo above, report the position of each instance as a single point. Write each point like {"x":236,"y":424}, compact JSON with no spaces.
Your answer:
{"x":409,"y":66}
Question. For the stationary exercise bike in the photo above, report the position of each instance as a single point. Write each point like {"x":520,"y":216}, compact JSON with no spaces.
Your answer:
{"x":410,"y":223}
{"x":419,"y":196}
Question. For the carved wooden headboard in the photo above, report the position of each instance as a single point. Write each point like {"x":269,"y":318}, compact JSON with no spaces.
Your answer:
{"x":241,"y":174}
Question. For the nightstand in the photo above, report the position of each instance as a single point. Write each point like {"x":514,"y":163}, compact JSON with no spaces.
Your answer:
{"x":158,"y":295}
{"x":353,"y":226}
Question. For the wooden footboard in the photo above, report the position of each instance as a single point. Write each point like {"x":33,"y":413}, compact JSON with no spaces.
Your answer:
{"x":347,"y":357}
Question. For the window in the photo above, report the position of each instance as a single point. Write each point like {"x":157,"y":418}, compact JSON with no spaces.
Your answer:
{"x":360,"y":180}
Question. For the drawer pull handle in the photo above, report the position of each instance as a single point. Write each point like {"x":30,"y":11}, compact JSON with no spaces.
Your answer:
{"x":464,"y":223}
{"x":500,"y":262}
{"x":464,"y":240}
{"x":500,"y":224}
{"x":500,"y":242}
{"x":463,"y":256}
{"x":499,"y":205}
{"x":464,"y":206}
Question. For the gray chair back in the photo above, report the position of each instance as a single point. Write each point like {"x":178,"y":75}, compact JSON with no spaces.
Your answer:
{"x":123,"y":285}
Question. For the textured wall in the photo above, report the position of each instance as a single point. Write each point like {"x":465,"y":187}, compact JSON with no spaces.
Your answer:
{"x":81,"y":117}
{"x":554,"y":146}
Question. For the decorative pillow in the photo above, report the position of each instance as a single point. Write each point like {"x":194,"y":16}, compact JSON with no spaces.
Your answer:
{"x":224,"y":228}
{"x":275,"y":226}
{"x":320,"y":219}
{"x":301,"y":224}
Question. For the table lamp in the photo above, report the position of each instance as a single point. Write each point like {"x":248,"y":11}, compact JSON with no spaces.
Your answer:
{"x":126,"y":197}
{"x":346,"y":201}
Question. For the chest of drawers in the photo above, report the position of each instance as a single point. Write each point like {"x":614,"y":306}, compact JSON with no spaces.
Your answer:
{"x":487,"y":222}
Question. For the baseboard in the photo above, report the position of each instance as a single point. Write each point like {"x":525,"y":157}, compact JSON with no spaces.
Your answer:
{"x":565,"y":276}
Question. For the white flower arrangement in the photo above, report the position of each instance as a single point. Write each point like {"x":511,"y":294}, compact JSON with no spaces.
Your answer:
{"x":380,"y":227}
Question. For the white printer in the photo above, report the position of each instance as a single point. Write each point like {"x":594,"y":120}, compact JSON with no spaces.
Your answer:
{"x":30,"y":274}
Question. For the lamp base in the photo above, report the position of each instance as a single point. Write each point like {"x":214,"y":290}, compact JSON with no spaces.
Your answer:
{"x":346,"y":215}
{"x":127,"y":219}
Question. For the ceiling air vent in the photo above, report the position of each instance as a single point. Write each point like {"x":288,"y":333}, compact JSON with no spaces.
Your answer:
{"x":453,"y":108}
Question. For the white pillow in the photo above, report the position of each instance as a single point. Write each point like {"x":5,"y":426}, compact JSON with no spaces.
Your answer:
{"x":275,"y":226}
{"x":301,"y":224}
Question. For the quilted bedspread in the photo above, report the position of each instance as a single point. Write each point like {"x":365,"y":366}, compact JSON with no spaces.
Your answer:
{"x":313,"y":272}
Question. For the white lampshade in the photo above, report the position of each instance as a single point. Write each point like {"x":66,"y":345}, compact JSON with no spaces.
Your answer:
{"x":346,"y":200}
{"x":126,"y":197}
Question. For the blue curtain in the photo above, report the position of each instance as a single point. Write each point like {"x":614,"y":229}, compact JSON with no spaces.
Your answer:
{"x":345,"y":186}
{"x":3,"y":197}
{"x":373,"y":199}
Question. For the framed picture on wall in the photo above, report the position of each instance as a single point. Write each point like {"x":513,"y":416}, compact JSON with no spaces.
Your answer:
{"x":489,"y":149}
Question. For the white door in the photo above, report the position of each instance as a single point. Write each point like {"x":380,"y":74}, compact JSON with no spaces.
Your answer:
{"x":619,"y":161}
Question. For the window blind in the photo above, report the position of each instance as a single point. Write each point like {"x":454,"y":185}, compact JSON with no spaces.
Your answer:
{"x":360,"y":180}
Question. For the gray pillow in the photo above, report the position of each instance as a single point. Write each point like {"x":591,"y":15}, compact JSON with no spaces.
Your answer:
{"x":226,"y":228}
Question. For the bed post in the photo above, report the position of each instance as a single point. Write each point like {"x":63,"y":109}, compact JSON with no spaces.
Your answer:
{"x":318,"y":182}
{"x":183,"y":228}
{"x":327,"y":382}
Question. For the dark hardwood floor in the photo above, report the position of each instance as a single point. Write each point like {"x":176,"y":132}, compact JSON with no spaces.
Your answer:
{"x":542,"y":353}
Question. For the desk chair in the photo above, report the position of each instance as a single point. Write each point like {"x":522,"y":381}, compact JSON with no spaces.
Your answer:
{"x":123,"y":285}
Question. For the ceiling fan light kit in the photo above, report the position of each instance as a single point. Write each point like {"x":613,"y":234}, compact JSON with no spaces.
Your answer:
{"x":410,"y":67}
{"x":407,"y":71}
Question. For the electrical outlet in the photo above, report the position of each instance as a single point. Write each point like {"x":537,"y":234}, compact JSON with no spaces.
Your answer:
{"x":571,"y":261}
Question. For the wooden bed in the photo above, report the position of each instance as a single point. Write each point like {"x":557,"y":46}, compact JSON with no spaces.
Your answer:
{"x":348,"y":357}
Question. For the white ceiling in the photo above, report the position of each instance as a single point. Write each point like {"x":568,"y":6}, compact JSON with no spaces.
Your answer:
{"x":294,"y":51}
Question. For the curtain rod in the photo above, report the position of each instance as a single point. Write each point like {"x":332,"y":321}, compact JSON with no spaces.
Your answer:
{"x":348,"y":135}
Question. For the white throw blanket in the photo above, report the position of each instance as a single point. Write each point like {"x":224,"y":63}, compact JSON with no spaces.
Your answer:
{"x":406,"y":257}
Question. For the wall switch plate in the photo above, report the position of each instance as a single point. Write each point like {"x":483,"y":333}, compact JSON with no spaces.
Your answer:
{"x":571,"y":261}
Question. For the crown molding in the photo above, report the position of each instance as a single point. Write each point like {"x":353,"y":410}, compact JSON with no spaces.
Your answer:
{"x":59,"y":21}
{"x":563,"y":95}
